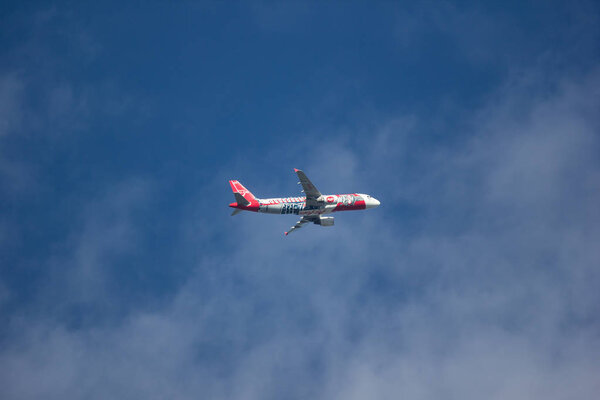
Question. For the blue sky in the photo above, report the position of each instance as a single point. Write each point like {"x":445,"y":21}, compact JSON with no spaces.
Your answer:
{"x":122,"y":274}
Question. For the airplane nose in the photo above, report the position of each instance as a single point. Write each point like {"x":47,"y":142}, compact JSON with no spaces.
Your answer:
{"x":372,"y":202}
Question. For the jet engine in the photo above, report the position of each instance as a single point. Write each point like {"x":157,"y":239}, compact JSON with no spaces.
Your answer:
{"x":324,"y":221}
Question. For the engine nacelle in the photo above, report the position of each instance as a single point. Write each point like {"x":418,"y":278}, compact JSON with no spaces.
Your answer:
{"x":324,"y":221}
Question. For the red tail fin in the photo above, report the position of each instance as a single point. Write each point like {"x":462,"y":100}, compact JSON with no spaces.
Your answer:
{"x":245,"y":193}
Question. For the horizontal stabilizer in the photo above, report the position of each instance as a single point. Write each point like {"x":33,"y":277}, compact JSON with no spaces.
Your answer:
{"x":236,"y":211}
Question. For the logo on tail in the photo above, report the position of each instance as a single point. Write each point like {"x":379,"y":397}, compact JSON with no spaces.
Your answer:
{"x":238,"y":188}
{"x":245,"y":200}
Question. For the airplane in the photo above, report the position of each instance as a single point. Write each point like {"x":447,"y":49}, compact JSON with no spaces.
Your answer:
{"x":311,"y":207}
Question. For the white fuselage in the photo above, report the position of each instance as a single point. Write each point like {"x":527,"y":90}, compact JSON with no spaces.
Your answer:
{"x":330,"y":203}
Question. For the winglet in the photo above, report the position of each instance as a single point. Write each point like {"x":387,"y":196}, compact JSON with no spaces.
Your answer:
{"x":286,"y":233}
{"x":296,"y":170}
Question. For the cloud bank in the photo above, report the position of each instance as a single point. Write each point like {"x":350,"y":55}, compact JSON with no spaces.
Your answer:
{"x":476,"y":278}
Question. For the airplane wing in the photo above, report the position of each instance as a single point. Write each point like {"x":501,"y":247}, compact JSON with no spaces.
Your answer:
{"x":302,"y":221}
{"x":311,"y":192}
